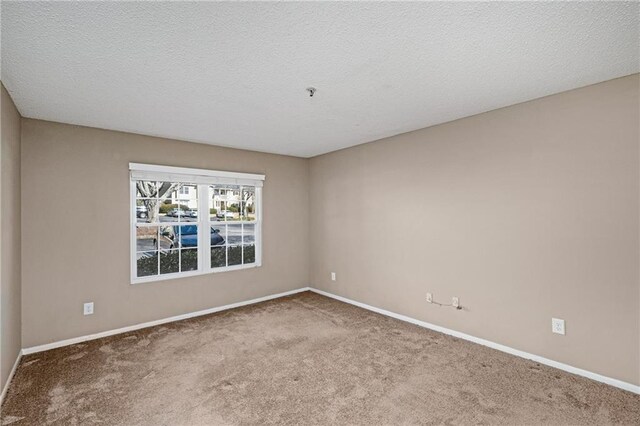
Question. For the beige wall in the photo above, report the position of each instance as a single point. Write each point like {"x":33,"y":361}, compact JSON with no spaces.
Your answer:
{"x":525,"y":213}
{"x":10,"y":305}
{"x":75,"y":198}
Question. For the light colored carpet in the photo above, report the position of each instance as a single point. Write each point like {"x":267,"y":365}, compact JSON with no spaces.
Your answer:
{"x":306,"y":360}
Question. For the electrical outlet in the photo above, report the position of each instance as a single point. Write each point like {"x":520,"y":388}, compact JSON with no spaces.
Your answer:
{"x":88,"y":308}
{"x":455,"y":302}
{"x":429,"y":298}
{"x":333,"y":276}
{"x":557,"y":326}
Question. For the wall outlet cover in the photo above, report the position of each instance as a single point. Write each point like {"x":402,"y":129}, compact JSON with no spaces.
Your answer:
{"x":557,"y":325}
{"x":455,"y":302}
{"x":429,"y":297}
{"x":88,"y":308}
{"x":333,"y":276}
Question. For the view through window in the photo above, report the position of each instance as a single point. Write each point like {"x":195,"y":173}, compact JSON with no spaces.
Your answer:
{"x":193,"y":222}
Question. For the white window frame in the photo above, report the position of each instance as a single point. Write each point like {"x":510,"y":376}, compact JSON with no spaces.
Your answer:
{"x":202,"y":178}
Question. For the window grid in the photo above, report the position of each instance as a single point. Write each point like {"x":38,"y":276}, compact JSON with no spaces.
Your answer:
{"x":241,"y":212}
{"x":164,"y":255}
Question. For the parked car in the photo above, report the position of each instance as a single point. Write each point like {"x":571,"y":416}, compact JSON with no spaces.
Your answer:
{"x":176,"y":212}
{"x":225,"y":214}
{"x":142,"y":212}
{"x":191,"y":213}
{"x":189,"y":236}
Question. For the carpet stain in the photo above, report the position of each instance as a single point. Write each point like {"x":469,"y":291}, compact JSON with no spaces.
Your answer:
{"x":304,"y":359}
{"x":9,"y":420}
{"x":75,"y":357}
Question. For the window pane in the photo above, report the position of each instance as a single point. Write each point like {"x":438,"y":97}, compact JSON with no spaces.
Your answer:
{"x":167,"y":202}
{"x":234,"y":234}
{"x":224,"y":202}
{"x":189,"y":260}
{"x":214,"y":203}
{"x":248,"y":206}
{"x":170,"y":261}
{"x":147,"y":264}
{"x":167,"y":237}
{"x":249,"y":234}
{"x":218,"y":257}
{"x":142,"y":209}
{"x":147,"y":210}
{"x":167,"y":190}
{"x":164,"y":207}
{"x":146,"y":238}
{"x":249,"y":254}
{"x":218,"y":235}
{"x":233,"y":211}
{"x":186,"y":200}
{"x":146,"y":189}
{"x":176,"y":211}
{"x":187,"y":235}
{"x":235,"y":255}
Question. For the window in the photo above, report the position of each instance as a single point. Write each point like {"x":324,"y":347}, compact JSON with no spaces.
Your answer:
{"x":189,"y":222}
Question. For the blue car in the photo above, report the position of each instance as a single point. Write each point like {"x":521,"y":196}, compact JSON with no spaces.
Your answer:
{"x":188,"y":235}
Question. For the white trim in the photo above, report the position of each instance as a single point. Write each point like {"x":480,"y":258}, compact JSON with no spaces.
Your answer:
{"x":233,"y":267}
{"x":67,"y":342}
{"x":154,"y":169}
{"x":551,"y":363}
{"x":204,"y":229}
{"x":133,"y":244}
{"x":164,"y":277}
{"x":10,"y":377}
{"x":555,"y":364}
{"x":258,"y":227}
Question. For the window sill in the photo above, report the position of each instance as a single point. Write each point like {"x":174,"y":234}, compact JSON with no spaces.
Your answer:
{"x":178,"y":275}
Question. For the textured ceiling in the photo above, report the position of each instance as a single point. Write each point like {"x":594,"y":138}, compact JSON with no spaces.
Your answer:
{"x":235,"y":74}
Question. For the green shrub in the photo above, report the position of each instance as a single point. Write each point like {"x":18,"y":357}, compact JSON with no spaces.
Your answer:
{"x":213,"y":211}
{"x":170,"y":261}
{"x":235,"y":255}
{"x":219,"y":255}
{"x":148,"y":265}
{"x":249,"y":254}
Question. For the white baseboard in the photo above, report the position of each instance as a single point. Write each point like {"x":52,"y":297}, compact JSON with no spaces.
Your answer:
{"x":10,"y":377}
{"x":565,"y":367}
{"x":67,"y":342}
{"x":551,"y":363}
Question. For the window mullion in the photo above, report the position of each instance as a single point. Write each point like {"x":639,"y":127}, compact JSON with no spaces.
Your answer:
{"x":258,"y":227}
{"x":204,"y":258}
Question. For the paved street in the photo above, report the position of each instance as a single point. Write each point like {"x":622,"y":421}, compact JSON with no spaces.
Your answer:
{"x":232,"y":233}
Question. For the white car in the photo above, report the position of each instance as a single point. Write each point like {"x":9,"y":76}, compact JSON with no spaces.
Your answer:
{"x":225,"y":214}
{"x":176,"y":213}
